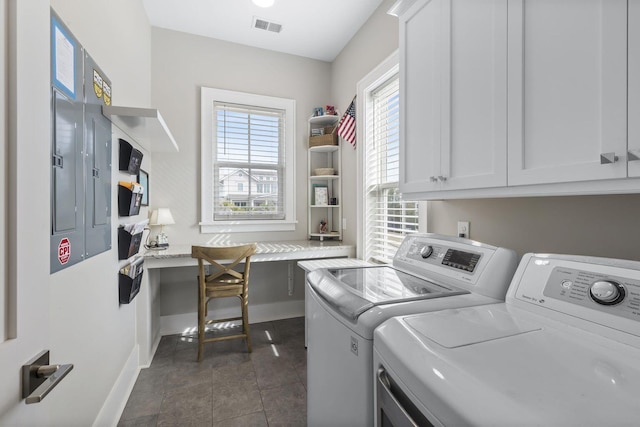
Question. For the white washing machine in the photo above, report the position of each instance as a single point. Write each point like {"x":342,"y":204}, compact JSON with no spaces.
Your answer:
{"x":344,"y":306}
{"x":563,"y":350}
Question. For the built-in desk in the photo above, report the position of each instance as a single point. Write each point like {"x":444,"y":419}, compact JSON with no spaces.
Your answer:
{"x":148,"y":299}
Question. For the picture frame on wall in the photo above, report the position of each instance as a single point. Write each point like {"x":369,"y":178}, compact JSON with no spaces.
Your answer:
{"x":143,"y":180}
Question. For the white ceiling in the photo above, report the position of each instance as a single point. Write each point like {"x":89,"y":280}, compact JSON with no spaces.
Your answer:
{"x":316,"y":29}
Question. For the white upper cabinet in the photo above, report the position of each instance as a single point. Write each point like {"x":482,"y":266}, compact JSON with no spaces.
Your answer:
{"x":567,"y":89}
{"x":453,"y":82}
{"x":420,"y":96}
{"x":519,"y":97}
{"x":474,"y":94}
{"x":634,"y":89}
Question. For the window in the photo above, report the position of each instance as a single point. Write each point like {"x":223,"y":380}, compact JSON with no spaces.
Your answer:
{"x":387,"y":217}
{"x":246,"y":140}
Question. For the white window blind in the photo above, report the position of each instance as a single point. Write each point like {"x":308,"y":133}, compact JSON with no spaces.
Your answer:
{"x":249,"y":150}
{"x":388,"y":217}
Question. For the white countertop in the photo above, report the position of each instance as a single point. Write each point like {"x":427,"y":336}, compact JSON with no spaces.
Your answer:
{"x":180,"y":255}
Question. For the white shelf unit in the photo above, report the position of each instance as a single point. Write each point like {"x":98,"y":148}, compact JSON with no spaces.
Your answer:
{"x":324,"y":156}
{"x":146,"y":126}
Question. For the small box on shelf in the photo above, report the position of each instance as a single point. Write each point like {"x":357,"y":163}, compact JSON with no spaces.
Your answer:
{"x":330,"y":137}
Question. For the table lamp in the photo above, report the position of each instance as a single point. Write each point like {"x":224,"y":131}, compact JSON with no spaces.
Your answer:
{"x":162,"y":217}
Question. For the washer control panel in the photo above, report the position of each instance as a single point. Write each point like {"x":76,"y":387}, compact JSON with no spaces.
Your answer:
{"x":474,"y":266}
{"x":612,"y":294}
{"x":593,"y":289}
{"x":463,"y":260}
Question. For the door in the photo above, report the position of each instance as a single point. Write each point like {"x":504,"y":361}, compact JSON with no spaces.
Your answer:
{"x":567,"y":88}
{"x":474,"y":94}
{"x":634,"y":88}
{"x":24,"y":48}
{"x":420,"y":82}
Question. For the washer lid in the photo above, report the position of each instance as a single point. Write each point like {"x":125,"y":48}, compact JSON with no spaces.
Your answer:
{"x":352,"y":291}
{"x":457,"y":328}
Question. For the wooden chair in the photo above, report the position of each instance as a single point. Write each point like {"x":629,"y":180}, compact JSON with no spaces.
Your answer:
{"x":221,"y":282}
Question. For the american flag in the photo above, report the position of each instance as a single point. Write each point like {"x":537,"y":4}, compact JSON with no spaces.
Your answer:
{"x":347,"y":125}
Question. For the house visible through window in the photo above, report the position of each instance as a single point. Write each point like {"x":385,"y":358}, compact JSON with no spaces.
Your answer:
{"x":388,"y":218}
{"x":246,"y":182}
{"x":250,"y":147}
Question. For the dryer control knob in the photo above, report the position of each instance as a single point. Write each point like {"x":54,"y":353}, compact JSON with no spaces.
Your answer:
{"x":426,"y":251}
{"x":607,"y":292}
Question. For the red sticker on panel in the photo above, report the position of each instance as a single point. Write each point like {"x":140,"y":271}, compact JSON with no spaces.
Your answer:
{"x":64,"y":251}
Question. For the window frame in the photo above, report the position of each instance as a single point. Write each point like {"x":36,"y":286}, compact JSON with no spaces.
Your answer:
{"x":378,"y":76}
{"x":208,"y":151}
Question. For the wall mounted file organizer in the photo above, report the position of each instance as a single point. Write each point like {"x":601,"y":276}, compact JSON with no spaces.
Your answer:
{"x":129,"y":200}
{"x":128,"y":244}
{"x":130,"y":158}
{"x":129,"y":279}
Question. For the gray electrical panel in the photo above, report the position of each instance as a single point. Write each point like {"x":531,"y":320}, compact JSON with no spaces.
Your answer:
{"x":97,"y":140}
{"x":80,"y":153}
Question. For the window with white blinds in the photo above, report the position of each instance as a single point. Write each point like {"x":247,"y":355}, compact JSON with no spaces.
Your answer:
{"x":248,"y":170}
{"x":249,"y":163}
{"x":388,"y":218}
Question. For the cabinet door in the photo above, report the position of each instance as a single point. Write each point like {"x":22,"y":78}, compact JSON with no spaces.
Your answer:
{"x":634,"y":88}
{"x":474,"y":94}
{"x":420,"y":85}
{"x":567,"y":87}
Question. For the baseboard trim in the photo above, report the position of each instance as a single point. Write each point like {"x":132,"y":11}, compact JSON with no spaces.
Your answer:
{"x":115,"y":402}
{"x":188,"y":322}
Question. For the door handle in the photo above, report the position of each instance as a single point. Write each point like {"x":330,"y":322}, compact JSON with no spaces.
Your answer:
{"x":39,"y":377}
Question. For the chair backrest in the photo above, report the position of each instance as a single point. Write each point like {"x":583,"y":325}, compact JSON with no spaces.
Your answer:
{"x":224,"y":259}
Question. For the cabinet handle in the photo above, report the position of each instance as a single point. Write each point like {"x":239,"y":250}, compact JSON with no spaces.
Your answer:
{"x":633,"y":155}
{"x":433,"y":179}
{"x":608,"y":158}
{"x":442,"y":178}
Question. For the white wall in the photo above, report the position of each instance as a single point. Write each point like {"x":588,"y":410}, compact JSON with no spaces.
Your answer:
{"x":181,"y":64}
{"x":87,"y":325}
{"x":375,"y":41}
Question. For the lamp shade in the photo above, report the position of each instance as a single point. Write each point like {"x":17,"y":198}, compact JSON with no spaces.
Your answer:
{"x":161,"y":216}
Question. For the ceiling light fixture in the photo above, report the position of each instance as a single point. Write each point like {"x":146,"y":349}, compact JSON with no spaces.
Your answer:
{"x":263,"y":3}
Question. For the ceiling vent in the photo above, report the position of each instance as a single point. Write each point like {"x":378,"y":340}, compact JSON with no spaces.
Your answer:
{"x":263,"y":24}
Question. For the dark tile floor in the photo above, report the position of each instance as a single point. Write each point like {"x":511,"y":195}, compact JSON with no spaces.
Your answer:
{"x":230,"y":387}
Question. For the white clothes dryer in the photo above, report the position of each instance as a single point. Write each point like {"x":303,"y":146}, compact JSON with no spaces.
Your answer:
{"x":429,"y":272}
{"x":563,"y":350}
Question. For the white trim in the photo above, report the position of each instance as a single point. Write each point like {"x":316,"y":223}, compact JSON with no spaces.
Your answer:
{"x":246,"y":226}
{"x":207,"y":98}
{"x":378,"y":75}
{"x":4,"y":308}
{"x":116,"y":401}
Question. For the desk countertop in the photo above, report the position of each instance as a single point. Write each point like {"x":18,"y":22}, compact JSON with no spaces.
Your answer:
{"x":180,"y":255}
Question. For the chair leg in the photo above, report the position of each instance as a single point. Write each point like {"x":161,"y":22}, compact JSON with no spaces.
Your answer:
{"x":245,"y":320}
{"x":202,"y":306}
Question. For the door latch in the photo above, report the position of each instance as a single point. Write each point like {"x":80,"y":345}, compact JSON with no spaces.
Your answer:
{"x":39,"y":377}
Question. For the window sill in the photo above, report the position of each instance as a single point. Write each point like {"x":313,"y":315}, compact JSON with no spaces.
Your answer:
{"x":246,"y":226}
